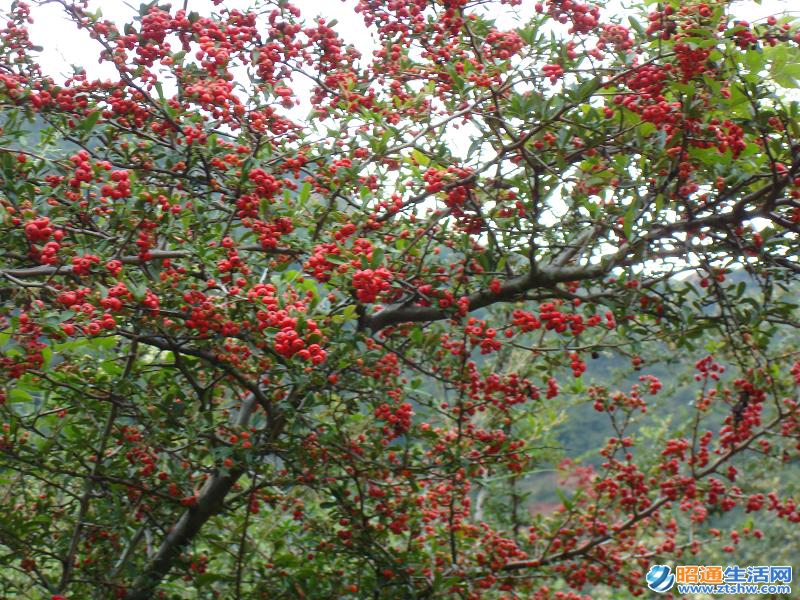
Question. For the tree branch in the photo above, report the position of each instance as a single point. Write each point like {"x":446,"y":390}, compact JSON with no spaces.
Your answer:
{"x":210,"y":501}
{"x":557,"y":272}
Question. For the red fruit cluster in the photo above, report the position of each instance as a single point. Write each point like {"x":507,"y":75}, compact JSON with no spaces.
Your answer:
{"x":398,"y":418}
{"x":295,"y":337}
{"x":552,"y":388}
{"x":691,"y":61}
{"x":648,"y":81}
{"x":38,"y":230}
{"x":500,"y":390}
{"x":318,"y":264}
{"x":706,"y":368}
{"x":583,"y":17}
{"x":502,"y":45}
{"x":730,"y":137}
{"x":28,"y":335}
{"x":456,"y":181}
{"x":480,"y":334}
{"x":654,"y":384}
{"x":146,"y":238}
{"x":744,"y":36}
{"x":217,"y":97}
{"x":369,"y":283}
{"x":617,"y":37}
{"x":270,"y":233}
{"x":41,"y":230}
{"x":577,"y":364}
{"x":82,"y":169}
{"x":553,"y":72}
{"x":266,"y":185}
{"x":602,"y":401}
{"x":117,"y":294}
{"x":660,"y":20}
{"x":81,"y":265}
{"x":73,"y":298}
{"x":121,"y":187}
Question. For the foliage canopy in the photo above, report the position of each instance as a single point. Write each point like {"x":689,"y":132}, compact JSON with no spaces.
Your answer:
{"x":251,"y":354}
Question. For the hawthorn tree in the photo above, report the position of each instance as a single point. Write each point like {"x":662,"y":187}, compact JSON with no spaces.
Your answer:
{"x":249,"y":354}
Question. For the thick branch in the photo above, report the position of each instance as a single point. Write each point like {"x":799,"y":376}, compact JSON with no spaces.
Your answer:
{"x":47,"y":270}
{"x":210,"y":501}
{"x":556,"y":272}
{"x":640,"y":516}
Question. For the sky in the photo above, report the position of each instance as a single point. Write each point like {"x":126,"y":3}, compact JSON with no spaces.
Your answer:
{"x":64,"y":45}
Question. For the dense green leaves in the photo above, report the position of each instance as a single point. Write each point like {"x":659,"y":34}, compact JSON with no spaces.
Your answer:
{"x":473,"y":316}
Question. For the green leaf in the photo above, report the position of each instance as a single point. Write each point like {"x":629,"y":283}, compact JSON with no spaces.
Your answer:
{"x":627,"y":224}
{"x":305,"y":193}
{"x":788,"y":76}
{"x":19,"y":395}
{"x":422,"y":159}
{"x":585,"y":90}
{"x":377,"y":258}
{"x":636,"y":25}
{"x":755,"y":60}
{"x":567,"y":502}
{"x":87,"y":124}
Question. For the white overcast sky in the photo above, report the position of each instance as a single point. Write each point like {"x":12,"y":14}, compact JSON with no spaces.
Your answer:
{"x":64,"y":45}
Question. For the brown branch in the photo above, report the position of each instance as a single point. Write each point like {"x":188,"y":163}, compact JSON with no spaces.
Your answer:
{"x":210,"y":501}
{"x":634,"y":519}
{"x":69,"y":559}
{"x":549,"y":275}
{"x":48,"y":270}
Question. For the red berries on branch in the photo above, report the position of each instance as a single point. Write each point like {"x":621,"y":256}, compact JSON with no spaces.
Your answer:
{"x":369,"y":283}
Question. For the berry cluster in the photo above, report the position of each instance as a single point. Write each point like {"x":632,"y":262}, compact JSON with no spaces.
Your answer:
{"x":369,"y":283}
{"x":553,"y":72}
{"x":583,"y":17}
{"x":398,"y":419}
{"x":502,"y":45}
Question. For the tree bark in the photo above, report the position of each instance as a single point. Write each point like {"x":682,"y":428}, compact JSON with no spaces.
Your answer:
{"x":210,"y":501}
